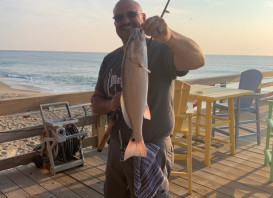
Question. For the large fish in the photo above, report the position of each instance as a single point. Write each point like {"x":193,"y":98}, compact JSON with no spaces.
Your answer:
{"x":134,"y":82}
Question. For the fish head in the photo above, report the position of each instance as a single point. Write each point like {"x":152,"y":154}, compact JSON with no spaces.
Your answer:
{"x":137,"y":35}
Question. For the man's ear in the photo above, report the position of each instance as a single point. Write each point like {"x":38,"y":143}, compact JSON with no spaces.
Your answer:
{"x":143,"y":16}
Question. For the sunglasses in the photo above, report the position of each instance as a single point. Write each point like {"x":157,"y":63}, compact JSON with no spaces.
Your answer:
{"x":129,"y":14}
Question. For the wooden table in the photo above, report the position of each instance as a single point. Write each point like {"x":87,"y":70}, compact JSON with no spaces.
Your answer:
{"x":209,"y":94}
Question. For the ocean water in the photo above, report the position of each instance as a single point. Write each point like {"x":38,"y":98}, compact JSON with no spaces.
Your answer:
{"x":60,"y":72}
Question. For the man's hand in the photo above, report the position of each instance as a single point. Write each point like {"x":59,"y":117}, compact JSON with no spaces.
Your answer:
{"x":103,"y":105}
{"x":157,"y":28}
{"x":115,"y":102}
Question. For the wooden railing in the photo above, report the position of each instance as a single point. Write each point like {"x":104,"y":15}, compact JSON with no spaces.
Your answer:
{"x":23,"y":105}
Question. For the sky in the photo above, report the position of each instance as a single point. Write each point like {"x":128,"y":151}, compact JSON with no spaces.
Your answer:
{"x":232,"y":27}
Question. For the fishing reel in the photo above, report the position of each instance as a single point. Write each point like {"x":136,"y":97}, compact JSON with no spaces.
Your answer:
{"x":61,"y":146}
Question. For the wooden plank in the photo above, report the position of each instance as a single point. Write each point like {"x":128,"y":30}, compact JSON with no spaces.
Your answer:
{"x":10,"y":189}
{"x":90,"y":142}
{"x":250,"y":167}
{"x":76,"y":186}
{"x":220,"y":182}
{"x":239,"y":180}
{"x":97,"y":159}
{"x":226,"y":186}
{"x":85,"y":175}
{"x":27,"y":104}
{"x":267,"y":95}
{"x":26,"y":184}
{"x":214,"y":80}
{"x":37,"y":130}
{"x":267,"y":74}
{"x":247,"y":156}
{"x":240,"y":171}
{"x":233,"y":172}
{"x":198,"y":190}
{"x":253,"y":152}
{"x":2,"y":195}
{"x":42,"y":177}
{"x":176,"y":189}
{"x":17,"y":161}
{"x":244,"y":160}
{"x":222,"y":79}
{"x":268,"y":84}
{"x":11,"y":135}
{"x":97,"y":171}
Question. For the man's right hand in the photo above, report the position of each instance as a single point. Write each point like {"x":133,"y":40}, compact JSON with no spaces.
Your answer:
{"x":115,"y":102}
{"x":102,"y":105}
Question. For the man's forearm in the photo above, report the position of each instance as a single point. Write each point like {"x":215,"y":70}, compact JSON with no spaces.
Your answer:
{"x":100,"y":105}
{"x":103,"y":105}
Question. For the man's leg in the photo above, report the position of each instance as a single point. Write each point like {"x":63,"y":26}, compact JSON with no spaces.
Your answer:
{"x":115,"y":183}
{"x":165,"y":158}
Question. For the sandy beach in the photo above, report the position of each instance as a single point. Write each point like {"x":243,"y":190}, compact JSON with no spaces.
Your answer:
{"x":7,"y":92}
{"x":16,"y":147}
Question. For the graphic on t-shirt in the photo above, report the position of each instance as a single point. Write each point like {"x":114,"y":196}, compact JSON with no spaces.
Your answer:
{"x":113,"y":84}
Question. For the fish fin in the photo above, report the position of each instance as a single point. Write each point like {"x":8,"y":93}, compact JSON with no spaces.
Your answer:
{"x":124,"y":112}
{"x":147,"y":113}
{"x":135,"y":149}
{"x":140,"y":65}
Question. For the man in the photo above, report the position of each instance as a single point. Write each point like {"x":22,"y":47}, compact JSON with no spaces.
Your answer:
{"x":169,"y":54}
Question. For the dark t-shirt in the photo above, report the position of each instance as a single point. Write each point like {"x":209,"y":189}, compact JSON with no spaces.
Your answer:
{"x":160,"y":91}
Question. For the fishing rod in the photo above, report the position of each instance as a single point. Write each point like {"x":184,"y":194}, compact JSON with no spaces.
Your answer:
{"x":162,"y":14}
{"x":165,"y":9}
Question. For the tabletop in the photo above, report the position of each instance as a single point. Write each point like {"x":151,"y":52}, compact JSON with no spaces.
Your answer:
{"x":212,"y":93}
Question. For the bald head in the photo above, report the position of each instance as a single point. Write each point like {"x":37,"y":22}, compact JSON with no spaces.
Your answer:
{"x":131,"y":2}
{"x":127,"y":15}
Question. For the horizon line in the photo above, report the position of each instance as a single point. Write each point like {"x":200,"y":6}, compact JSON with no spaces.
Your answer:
{"x":109,"y":52}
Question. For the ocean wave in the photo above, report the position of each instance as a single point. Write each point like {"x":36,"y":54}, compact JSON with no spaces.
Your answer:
{"x":69,"y":71}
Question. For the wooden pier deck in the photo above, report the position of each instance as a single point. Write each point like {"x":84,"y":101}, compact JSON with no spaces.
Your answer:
{"x":239,"y":175}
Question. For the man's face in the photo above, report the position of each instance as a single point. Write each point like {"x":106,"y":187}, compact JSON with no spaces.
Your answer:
{"x":127,"y":15}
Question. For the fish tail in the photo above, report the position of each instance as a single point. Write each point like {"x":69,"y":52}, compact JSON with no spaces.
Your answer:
{"x":135,"y":149}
